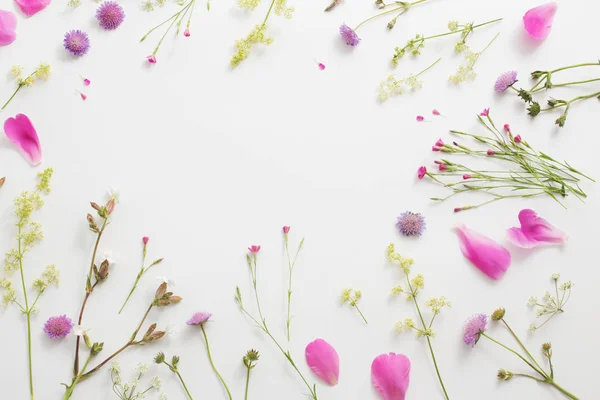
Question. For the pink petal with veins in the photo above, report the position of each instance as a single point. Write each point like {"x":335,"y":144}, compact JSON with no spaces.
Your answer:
{"x":538,"y":20}
{"x":21,"y":132}
{"x":484,"y":253}
{"x":535,"y":232}
{"x":324,"y":361}
{"x":390,"y":375}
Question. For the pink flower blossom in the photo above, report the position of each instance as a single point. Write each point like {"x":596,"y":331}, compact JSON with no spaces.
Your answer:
{"x":518,"y":139}
{"x":474,"y":327}
{"x":21,"y":132}
{"x":485,"y":112}
{"x":187,"y":33}
{"x":151,"y":59}
{"x":439,"y":142}
{"x":442,"y":167}
{"x":488,"y":256}
{"x":32,"y":7}
{"x":467,"y":176}
{"x":321,"y":66}
{"x":86,"y":81}
{"x":420,"y":118}
{"x":535,"y":232}
{"x":538,"y":20}
{"x":145,"y":240}
{"x":421,"y":172}
{"x":390,"y":375}
{"x":491,"y":152}
{"x":286,"y":229}
{"x":435,"y":148}
{"x":8,"y":26}
{"x":254,"y":249}
{"x":507,"y":128}
{"x":83,"y":96}
{"x":58,"y":327}
{"x":199,"y":318}
{"x":324,"y":361}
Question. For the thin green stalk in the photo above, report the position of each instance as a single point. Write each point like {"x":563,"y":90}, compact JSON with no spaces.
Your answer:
{"x":575,"y":66}
{"x":530,"y":377}
{"x":565,"y":84}
{"x":361,"y":314}
{"x":428,"y":68}
{"x":563,"y":391}
{"x":268,"y":13}
{"x":12,"y":97}
{"x":403,"y":7}
{"x":180,"y":379}
{"x":542,"y":374}
{"x":247,"y":384}
{"x":522,"y":346}
{"x":213,"y":364}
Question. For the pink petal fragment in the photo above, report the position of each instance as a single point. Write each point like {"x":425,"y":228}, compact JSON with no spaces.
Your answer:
{"x":538,"y":20}
{"x":487,"y":255}
{"x":32,"y":7}
{"x":21,"y":132}
{"x":8,"y":25}
{"x":324,"y":361}
{"x":390,"y":375}
{"x":535,"y":232}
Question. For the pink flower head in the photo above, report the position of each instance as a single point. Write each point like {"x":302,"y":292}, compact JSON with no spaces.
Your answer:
{"x":187,"y":33}
{"x":8,"y":26}
{"x":484,"y":253}
{"x":254,"y":249}
{"x":507,"y":128}
{"x":76,"y":42}
{"x":442,"y":166}
{"x":435,"y":112}
{"x":467,"y":176}
{"x":435,"y":148}
{"x":321,"y":66}
{"x":538,"y":20}
{"x":485,"y":112}
{"x":534,"y":232}
{"x":420,"y":118}
{"x":145,"y":240}
{"x":439,"y":142}
{"x":21,"y":132}
{"x":518,"y":139}
{"x":390,"y":375}
{"x":505,"y":81}
{"x":199,"y":318}
{"x":32,"y":7}
{"x":110,"y":15}
{"x":286,"y":229}
{"x":349,"y":36}
{"x":421,"y":172}
{"x":58,"y":327}
{"x":151,"y":59}
{"x":83,"y":96}
{"x":491,"y":152}
{"x":324,"y":361}
{"x":86,"y":81}
{"x":473,"y":329}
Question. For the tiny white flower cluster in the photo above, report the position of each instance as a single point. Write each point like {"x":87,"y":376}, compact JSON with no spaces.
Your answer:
{"x":129,"y":390}
{"x":551,"y":304}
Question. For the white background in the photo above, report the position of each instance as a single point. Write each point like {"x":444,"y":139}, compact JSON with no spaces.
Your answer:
{"x":210,"y":161}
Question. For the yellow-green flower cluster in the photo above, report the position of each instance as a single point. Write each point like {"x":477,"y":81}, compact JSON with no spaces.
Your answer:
{"x":404,"y":262}
{"x":402,"y":326}
{"x":9,"y":294}
{"x":437,"y":303}
{"x":351,"y":296}
{"x":257,"y":35}
{"x":42,"y":72}
{"x":50,"y":275}
{"x":465,"y":71}
{"x":281,"y":8}
{"x":393,"y":87}
{"x":249,"y":4}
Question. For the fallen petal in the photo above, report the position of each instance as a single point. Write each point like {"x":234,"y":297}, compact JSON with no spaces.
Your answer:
{"x":8,"y":25}
{"x":390,"y":375}
{"x":324,"y":361}
{"x":32,"y":7}
{"x":535,"y":232}
{"x":21,"y":132}
{"x":484,"y":253}
{"x":538,"y":20}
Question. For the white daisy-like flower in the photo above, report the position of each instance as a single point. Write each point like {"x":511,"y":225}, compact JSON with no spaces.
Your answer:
{"x":114,"y":194}
{"x":165,"y":279}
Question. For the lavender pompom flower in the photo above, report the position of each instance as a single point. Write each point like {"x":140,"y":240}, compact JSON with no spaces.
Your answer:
{"x":505,"y":81}
{"x":110,"y":15}
{"x":58,"y":327}
{"x":349,"y":35}
{"x":473,"y":329}
{"x":411,"y":224}
{"x":77,"y":42}
{"x":199,"y":318}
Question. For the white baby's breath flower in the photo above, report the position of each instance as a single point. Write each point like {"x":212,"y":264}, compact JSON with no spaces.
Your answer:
{"x":555,"y":276}
{"x":141,"y":367}
{"x":156,"y":384}
{"x":532,"y":301}
{"x":114,"y":194}
{"x":115,"y":366}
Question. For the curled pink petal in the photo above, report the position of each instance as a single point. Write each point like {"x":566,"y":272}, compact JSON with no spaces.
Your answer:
{"x":535,"y":232}
{"x":32,"y":7}
{"x":324,"y":361}
{"x":538,"y":20}
{"x":21,"y":132}
{"x":487,"y":255}
{"x":390,"y":375}
{"x":8,"y":25}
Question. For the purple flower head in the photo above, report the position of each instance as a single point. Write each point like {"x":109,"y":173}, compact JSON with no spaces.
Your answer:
{"x":411,"y":224}
{"x":505,"y":81}
{"x":199,"y":318}
{"x":58,"y":327}
{"x":77,"y":42}
{"x":110,"y":15}
{"x":473,"y":329}
{"x":349,"y":36}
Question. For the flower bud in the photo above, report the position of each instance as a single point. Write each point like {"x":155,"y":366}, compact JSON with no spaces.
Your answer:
{"x":174,"y":299}
{"x":160,"y":357}
{"x":175,"y":361}
{"x":525,"y":95}
{"x":95,"y":206}
{"x":2,"y":180}
{"x":103,"y":272}
{"x":97,"y":348}
{"x":505,"y":375}
{"x":391,"y":24}
{"x":151,"y":329}
{"x":546,"y":346}
{"x":86,"y":340}
{"x":155,"y":336}
{"x":160,"y":292}
{"x":561,"y":120}
{"x":534,"y":109}
{"x":110,"y":206}
{"x":498,"y":314}
{"x":92,"y":223}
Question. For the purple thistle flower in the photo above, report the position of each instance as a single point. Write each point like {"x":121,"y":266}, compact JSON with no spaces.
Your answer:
{"x":77,"y":42}
{"x":110,"y":15}
{"x":505,"y":81}
{"x":199,"y":318}
{"x":473,"y":329}
{"x":411,"y":224}
{"x":349,"y":36}
{"x":58,"y":327}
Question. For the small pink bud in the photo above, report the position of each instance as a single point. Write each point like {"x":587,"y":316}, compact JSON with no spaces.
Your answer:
{"x":457,"y":209}
{"x":439,"y":142}
{"x":467,"y":176}
{"x":485,"y":112}
{"x":145,"y":239}
{"x":491,"y":152}
{"x":286,"y":229}
{"x":435,"y":148}
{"x":87,"y":82}
{"x":151,"y":59}
{"x":420,"y":118}
{"x":506,"y":128}
{"x":254,"y":249}
{"x":442,"y":167}
{"x":187,"y":33}
{"x":435,"y":112}
{"x":437,"y":162}
{"x":83,"y":96}
{"x":518,"y":139}
{"x":321,"y":66}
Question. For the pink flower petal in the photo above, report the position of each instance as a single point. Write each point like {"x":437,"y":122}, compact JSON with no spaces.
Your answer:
{"x":324,"y":361}
{"x":8,"y":25}
{"x":21,"y":132}
{"x":487,"y":255}
{"x":390,"y":375}
{"x":534,"y":232}
{"x":32,"y":7}
{"x":538,"y":20}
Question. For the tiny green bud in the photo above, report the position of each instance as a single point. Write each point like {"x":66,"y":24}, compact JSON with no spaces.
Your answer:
{"x":546,"y":346}
{"x":498,"y":314}
{"x":561,"y":120}
{"x":97,"y":348}
{"x":86,"y":340}
{"x":175,"y":361}
{"x":391,"y":24}
{"x":534,"y":109}
{"x":505,"y":375}
{"x":160,"y":357}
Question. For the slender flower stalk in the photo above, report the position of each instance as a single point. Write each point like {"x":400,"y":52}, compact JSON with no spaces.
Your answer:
{"x":465,"y":71}
{"x":394,"y":87}
{"x":41,"y":72}
{"x":291,"y":265}
{"x":143,"y":270}
{"x":397,"y":7}
{"x":129,"y":390}
{"x":260,"y":321}
{"x":551,"y":304}
{"x":28,"y":234}
{"x":352,"y":296}
{"x":160,"y":359}
{"x":412,"y":291}
{"x":249,"y":361}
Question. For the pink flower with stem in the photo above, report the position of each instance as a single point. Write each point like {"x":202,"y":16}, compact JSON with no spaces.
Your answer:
{"x":145,"y":240}
{"x":286,"y":229}
{"x":491,"y":152}
{"x":485,"y":112}
{"x":82,"y":95}
{"x":439,"y":143}
{"x":421,"y":172}
{"x":442,"y":167}
{"x":254,"y":249}
{"x":187,"y":33}
{"x":474,"y":328}
{"x":435,"y":148}
{"x":507,"y":128}
{"x":151,"y":59}
{"x":518,"y":139}
{"x":467,"y":176}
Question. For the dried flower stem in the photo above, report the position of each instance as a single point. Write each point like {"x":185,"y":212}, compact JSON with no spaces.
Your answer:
{"x":401,"y":9}
{"x":291,"y":265}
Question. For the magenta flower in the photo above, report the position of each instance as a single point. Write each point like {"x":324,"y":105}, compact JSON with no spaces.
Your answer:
{"x":435,"y":112}
{"x":254,"y":249}
{"x":505,"y":81}
{"x":86,"y":81}
{"x":488,"y":256}
{"x":518,"y":139}
{"x":77,"y":42}
{"x":441,"y":166}
{"x":420,"y":118}
{"x":349,"y":36}
{"x":199,"y":318}
{"x":491,"y":152}
{"x":32,"y":7}
{"x":411,"y":224}
{"x":534,"y":232}
{"x":8,"y":26}
{"x":467,"y":176}
{"x":485,"y":112}
{"x":538,"y":20}
{"x":83,"y":96}
{"x":324,"y":361}
{"x":421,"y":172}
{"x":187,"y":33}
{"x":435,"y":148}
{"x":321,"y":66}
{"x":58,"y":327}
{"x":473,"y":329}
{"x":145,"y":240}
{"x":110,"y":15}
{"x":439,"y":142}
{"x":21,"y":132}
{"x":286,"y":229}
{"x":507,"y":128}
{"x":390,"y":375}
{"x":151,"y":59}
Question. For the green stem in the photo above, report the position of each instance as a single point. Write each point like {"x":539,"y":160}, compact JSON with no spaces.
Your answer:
{"x":403,"y":7}
{"x":12,"y":97}
{"x":247,"y":384}
{"x":530,"y":377}
{"x":289,"y":293}
{"x":428,"y":68}
{"x":563,"y":391}
{"x":27,"y":310}
{"x":575,"y":66}
{"x":361,"y":314}
{"x":515,"y":353}
{"x":523,"y":347}
{"x":268,"y":13}
{"x":212,"y":363}
{"x":180,"y":379}
{"x":566,"y":84}
{"x":132,"y":289}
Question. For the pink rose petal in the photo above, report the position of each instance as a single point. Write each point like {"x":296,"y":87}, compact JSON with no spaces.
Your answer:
{"x":8,"y":25}
{"x":538,"y":20}
{"x":390,"y":375}
{"x":21,"y":132}
{"x":324,"y":361}
{"x":487,"y":255}
{"x":535,"y":232}
{"x":32,"y":7}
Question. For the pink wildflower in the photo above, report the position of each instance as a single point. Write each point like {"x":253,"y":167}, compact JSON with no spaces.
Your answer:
{"x":506,"y":128}
{"x":187,"y":33}
{"x":420,"y":118}
{"x":286,"y":229}
{"x":151,"y":59}
{"x":518,"y":139}
{"x":435,"y":112}
{"x":145,"y":240}
{"x":421,"y":172}
{"x":491,"y":152}
{"x":439,"y":142}
{"x":467,"y":176}
{"x":254,"y":249}
{"x":485,"y":112}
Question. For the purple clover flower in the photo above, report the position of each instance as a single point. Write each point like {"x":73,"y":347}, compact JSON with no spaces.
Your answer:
{"x":473,"y":329}
{"x":110,"y":15}
{"x":77,"y":42}
{"x":58,"y":327}
{"x":349,"y":36}
{"x":199,"y":318}
{"x":411,"y":224}
{"x":505,"y":81}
